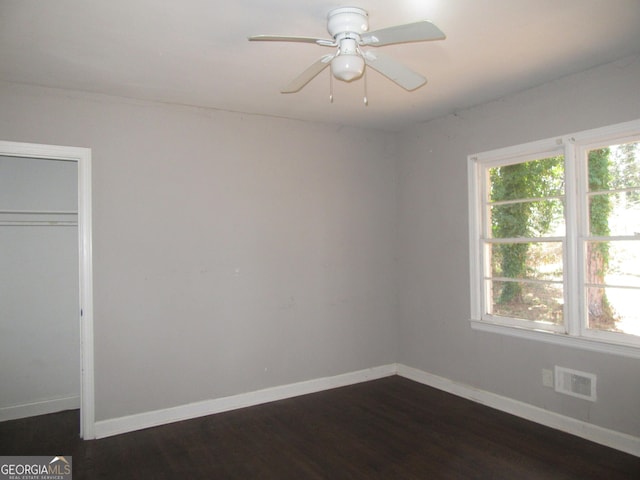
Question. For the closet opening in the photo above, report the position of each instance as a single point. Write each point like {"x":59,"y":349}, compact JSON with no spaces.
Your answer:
{"x":46,"y":310}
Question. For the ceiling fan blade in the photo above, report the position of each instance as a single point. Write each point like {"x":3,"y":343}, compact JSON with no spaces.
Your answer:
{"x":308,"y":75}
{"x":394,"y":71}
{"x":411,"y":32}
{"x":287,"y":38}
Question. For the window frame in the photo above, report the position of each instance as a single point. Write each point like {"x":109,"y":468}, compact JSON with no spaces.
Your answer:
{"x":574,"y":147}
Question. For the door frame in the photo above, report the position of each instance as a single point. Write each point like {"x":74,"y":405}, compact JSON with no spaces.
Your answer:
{"x":85,"y":313}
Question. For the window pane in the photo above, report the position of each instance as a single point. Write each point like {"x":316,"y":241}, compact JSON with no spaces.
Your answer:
{"x":614,"y":167}
{"x":613,"y":263}
{"x":527,"y":301}
{"x":534,"y":179}
{"x":615,"y":214}
{"x":537,"y":260}
{"x":618,"y":312}
{"x":616,"y":264}
{"x":544,"y":218}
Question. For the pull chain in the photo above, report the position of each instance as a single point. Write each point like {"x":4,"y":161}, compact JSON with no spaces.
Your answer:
{"x":366,"y":99}
{"x":330,"y":87}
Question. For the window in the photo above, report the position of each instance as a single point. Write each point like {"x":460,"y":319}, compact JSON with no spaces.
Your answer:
{"x":555,"y":239}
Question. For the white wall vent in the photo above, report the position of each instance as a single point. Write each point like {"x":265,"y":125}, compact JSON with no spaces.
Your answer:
{"x":575,"y":383}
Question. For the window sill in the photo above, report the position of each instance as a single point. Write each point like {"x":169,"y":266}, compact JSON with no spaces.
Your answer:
{"x":558,"y":339}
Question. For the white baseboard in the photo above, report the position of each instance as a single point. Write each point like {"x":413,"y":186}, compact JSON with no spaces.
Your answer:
{"x":610,"y":438}
{"x":41,"y":407}
{"x":116,"y":426}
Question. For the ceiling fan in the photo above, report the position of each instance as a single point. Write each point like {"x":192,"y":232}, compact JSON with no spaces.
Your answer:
{"x":349,"y":29}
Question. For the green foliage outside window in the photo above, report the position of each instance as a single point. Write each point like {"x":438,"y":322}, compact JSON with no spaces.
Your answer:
{"x":523,"y":219}
{"x":599,"y":179}
{"x":524,"y":186}
{"x":600,"y":312}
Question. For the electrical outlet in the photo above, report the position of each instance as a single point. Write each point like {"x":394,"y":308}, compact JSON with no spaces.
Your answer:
{"x":547,"y":378}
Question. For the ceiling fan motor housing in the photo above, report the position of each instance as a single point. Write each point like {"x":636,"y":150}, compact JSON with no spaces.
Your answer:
{"x":347,"y":20}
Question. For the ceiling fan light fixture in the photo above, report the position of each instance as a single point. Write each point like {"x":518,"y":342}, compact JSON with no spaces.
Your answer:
{"x":347,"y":67}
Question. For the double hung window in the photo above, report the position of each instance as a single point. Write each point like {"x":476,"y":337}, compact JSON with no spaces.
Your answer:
{"x":555,"y":239}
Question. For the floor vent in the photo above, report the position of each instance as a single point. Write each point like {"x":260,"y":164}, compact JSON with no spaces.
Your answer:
{"x":575,"y":383}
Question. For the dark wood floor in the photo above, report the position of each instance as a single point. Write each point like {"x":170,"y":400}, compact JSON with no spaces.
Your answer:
{"x":391,"y":428}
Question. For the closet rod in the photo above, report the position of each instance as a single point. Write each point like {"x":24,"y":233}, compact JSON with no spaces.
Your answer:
{"x":37,"y":224}
{"x":38,"y":212}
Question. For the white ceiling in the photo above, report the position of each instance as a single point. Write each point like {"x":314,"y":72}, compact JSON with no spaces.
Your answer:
{"x":195,"y":52}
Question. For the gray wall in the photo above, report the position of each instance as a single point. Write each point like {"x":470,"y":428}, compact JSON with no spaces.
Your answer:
{"x":231,"y":252}
{"x":435,"y":334}
{"x":39,"y":317}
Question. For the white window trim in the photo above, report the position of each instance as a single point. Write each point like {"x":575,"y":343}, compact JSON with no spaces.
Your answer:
{"x":573,"y":147}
